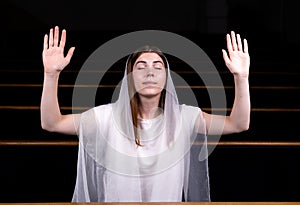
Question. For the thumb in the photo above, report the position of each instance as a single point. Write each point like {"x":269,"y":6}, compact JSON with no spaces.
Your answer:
{"x":225,"y":57}
{"x":70,"y":54}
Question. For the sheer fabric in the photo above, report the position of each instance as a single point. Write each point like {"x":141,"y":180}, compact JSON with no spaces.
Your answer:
{"x":168,"y":167}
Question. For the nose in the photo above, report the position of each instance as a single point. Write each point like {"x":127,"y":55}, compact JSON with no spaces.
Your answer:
{"x":150,"y":72}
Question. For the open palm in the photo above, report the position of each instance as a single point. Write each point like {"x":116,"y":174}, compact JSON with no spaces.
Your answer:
{"x":237,"y":60}
{"x":53,"y":53}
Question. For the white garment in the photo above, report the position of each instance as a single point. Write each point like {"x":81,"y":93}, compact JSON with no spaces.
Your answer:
{"x":111,"y":167}
{"x":149,"y":180}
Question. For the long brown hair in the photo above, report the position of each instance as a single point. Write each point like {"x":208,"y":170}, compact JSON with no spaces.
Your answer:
{"x":134,"y":97}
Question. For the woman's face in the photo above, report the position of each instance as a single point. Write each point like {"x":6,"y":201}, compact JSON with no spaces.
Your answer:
{"x":149,"y":74}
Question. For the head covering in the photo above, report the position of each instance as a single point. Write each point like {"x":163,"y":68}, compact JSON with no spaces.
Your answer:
{"x":107,"y":140}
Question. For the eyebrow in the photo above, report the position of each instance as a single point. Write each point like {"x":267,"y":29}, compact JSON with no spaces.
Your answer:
{"x":144,"y":62}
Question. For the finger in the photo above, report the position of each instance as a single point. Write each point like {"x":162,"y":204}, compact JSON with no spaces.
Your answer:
{"x":233,"y":41}
{"x":225,"y":57}
{"x":45,"y":42}
{"x":229,"y":45}
{"x":56,"y":35}
{"x":239,"y":41}
{"x":70,"y":54}
{"x":245,"y":46}
{"x":51,"y":37}
{"x":63,"y":39}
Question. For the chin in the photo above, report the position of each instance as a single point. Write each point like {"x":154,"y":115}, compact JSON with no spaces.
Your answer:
{"x":150,"y":92}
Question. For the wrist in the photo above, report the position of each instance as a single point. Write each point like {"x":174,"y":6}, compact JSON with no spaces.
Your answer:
{"x":241,"y":76}
{"x":51,"y":74}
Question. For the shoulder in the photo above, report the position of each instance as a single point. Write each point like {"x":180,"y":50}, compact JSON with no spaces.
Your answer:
{"x":194,"y":117}
{"x":190,"y":113}
{"x":98,"y":112}
{"x":95,"y":117}
{"x":103,"y":108}
{"x":189,"y":109}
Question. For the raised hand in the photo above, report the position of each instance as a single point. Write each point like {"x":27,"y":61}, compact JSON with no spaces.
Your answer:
{"x":53,"y":53}
{"x":237,"y":60}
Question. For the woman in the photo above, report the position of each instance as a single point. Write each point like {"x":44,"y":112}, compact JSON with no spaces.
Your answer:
{"x":132,"y":149}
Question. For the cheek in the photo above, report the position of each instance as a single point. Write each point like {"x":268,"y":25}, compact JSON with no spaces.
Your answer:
{"x":137,"y":80}
{"x":162,"y":80}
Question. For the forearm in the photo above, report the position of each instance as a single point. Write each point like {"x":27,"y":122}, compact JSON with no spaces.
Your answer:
{"x":240,"y":113}
{"x":50,"y":111}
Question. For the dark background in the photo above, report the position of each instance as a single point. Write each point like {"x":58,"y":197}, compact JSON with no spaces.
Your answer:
{"x":237,"y":173}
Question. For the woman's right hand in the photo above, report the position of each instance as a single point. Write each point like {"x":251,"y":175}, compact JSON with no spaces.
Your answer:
{"x":53,"y":53}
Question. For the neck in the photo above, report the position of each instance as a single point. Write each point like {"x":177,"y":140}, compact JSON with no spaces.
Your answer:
{"x":149,"y":107}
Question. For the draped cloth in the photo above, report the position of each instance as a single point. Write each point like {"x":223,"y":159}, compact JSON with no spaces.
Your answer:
{"x":171,"y":164}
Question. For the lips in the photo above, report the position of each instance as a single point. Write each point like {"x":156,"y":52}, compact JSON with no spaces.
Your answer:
{"x":149,"y":83}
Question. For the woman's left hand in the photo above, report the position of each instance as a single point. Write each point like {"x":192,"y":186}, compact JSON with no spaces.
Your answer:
{"x":237,"y":60}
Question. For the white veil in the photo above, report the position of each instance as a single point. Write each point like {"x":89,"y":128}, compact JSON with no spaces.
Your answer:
{"x":107,"y":142}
